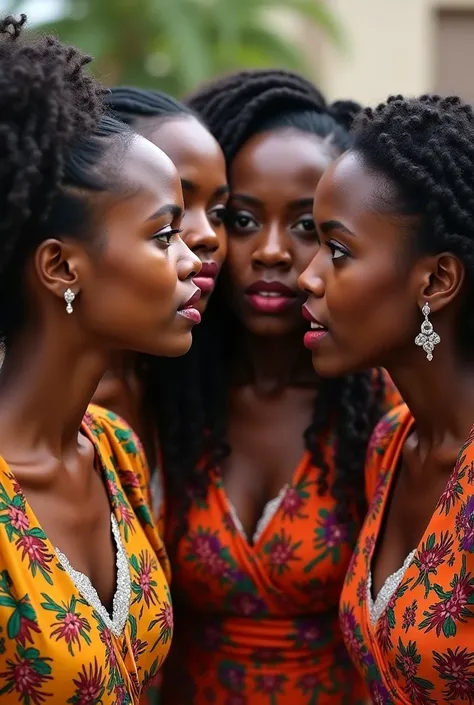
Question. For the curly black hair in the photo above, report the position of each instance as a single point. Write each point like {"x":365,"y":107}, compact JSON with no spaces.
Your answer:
{"x":190,"y":394}
{"x":53,"y":136}
{"x":425,"y":147}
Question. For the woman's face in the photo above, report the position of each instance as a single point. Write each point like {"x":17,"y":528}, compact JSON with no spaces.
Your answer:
{"x":364,"y":283}
{"x":201,"y":168}
{"x":135,"y":290}
{"x":271,"y":230}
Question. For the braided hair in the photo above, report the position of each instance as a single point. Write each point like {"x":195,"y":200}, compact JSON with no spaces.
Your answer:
{"x":238,"y":106}
{"x":193,"y":391}
{"x":425,"y":147}
{"x":53,"y":137}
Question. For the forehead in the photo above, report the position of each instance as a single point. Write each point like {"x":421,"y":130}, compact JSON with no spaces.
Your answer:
{"x":286,"y":159}
{"x":149,"y":177}
{"x":348,"y":185}
{"x":191,"y":148}
{"x":363,"y":200}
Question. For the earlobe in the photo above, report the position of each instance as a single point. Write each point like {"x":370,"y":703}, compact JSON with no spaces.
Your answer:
{"x":56,"y":264}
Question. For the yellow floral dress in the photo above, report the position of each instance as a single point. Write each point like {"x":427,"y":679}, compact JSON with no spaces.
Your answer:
{"x":58,"y":644}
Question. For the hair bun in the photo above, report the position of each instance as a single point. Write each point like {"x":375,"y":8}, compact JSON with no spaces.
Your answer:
{"x":344,"y":112}
{"x":10,"y":25}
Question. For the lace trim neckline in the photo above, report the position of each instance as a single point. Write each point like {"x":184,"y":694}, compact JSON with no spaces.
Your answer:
{"x":121,"y":599}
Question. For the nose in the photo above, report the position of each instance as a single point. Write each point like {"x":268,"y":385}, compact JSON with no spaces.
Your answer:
{"x":189,"y":264}
{"x":310,"y":280}
{"x":199,"y":235}
{"x":273,"y":249}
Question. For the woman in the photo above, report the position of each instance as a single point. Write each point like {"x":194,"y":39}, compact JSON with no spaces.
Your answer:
{"x":91,"y":262}
{"x":261,"y":536}
{"x":127,"y":387}
{"x":392,"y":285}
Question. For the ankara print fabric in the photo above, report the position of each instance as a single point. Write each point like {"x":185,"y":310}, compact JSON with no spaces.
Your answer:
{"x":257,"y":624}
{"x":421,"y":649}
{"x":57,"y":643}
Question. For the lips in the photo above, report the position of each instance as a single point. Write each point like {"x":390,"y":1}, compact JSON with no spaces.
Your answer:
{"x":317,"y":331}
{"x":189,"y":311}
{"x":207,"y":277}
{"x":270,"y":297}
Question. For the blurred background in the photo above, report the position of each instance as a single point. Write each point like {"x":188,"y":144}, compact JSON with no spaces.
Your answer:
{"x":360,"y":49}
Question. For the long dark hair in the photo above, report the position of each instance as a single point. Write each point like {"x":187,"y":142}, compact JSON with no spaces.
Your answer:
{"x":190,"y":395}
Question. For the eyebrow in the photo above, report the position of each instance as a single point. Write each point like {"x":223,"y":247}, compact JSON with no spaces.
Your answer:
{"x":329,"y":225}
{"x":168,"y":209}
{"x":191,"y":186}
{"x":302,"y":203}
{"x":246,"y":199}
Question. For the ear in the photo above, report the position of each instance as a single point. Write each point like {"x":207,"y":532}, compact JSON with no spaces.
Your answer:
{"x":58,"y":264}
{"x":442,"y":280}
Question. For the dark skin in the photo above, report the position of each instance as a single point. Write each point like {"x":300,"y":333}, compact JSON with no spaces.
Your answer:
{"x":121,"y":301}
{"x":201,"y":167}
{"x":271,"y":238}
{"x":367,"y":286}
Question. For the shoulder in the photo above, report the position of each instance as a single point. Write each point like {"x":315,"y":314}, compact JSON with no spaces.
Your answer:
{"x":107,"y":425}
{"x":386,"y":437}
{"x":117,"y":440}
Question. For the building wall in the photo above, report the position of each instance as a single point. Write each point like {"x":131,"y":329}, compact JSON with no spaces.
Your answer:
{"x":392,"y":46}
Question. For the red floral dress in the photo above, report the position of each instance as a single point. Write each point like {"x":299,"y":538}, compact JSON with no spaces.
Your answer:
{"x":58,"y":644}
{"x":420,"y":651}
{"x":257,"y":624}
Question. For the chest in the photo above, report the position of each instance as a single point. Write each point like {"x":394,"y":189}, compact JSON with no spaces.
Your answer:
{"x":421,"y":647}
{"x":74,"y":512}
{"x":408,"y":512}
{"x":267,"y":440}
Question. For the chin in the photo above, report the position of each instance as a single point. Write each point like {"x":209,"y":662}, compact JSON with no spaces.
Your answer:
{"x":172,"y":348}
{"x":326,"y":366}
{"x":269,"y":327}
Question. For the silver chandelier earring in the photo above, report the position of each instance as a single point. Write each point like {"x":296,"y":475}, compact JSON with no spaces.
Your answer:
{"x":69,"y":297}
{"x":427,"y":339}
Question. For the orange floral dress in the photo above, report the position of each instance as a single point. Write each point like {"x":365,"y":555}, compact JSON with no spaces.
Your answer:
{"x":420,"y":650}
{"x":257,"y":624}
{"x":57,"y":641}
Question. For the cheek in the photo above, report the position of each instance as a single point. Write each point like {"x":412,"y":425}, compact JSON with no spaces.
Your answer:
{"x":139,"y":287}
{"x":304,"y":253}
{"x":360,"y":292}
{"x":239,"y":255}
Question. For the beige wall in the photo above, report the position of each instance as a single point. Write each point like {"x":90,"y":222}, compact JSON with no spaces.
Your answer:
{"x":391,"y":48}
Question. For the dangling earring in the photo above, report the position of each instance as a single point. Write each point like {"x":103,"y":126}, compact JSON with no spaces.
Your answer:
{"x":427,"y":339}
{"x":69,"y":297}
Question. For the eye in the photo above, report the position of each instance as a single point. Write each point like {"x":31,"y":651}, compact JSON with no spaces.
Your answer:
{"x":338,"y":252}
{"x":165,"y":235}
{"x":217,"y":215}
{"x":241,"y":221}
{"x":305,"y":224}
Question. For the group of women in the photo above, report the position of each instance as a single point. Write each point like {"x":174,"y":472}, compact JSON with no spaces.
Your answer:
{"x":238,"y":279}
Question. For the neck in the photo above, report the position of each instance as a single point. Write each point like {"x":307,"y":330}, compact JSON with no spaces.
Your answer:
{"x":272,"y":363}
{"x":45,"y":388}
{"x":439,"y":394}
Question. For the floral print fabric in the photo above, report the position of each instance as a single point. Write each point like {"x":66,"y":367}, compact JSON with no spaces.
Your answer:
{"x":421,"y":649}
{"x":54,"y":647}
{"x":257,"y":624}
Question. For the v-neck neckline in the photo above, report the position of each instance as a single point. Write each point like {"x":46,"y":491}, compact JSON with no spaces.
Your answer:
{"x":254,"y":545}
{"x":80,"y":581}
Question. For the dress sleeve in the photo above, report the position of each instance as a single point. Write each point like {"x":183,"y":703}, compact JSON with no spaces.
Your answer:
{"x":132,"y":470}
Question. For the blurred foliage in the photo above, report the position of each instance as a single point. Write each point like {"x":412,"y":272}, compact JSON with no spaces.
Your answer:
{"x":176,"y":44}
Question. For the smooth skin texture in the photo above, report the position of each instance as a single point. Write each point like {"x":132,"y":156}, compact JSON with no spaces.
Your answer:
{"x":367,"y":285}
{"x":129,"y":290}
